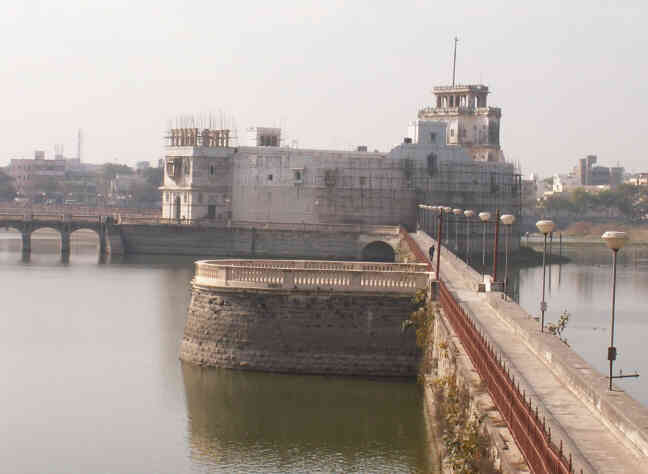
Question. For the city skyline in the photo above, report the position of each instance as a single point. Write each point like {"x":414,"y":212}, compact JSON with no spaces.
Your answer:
{"x":333,"y":76}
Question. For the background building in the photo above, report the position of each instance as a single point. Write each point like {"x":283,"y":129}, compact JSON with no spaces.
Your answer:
{"x":36,"y":175}
{"x":587,"y":174}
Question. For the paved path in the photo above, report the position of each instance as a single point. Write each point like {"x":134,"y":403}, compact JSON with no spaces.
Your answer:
{"x":595,"y":447}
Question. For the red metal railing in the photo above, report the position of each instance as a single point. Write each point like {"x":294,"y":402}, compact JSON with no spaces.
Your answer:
{"x":414,"y":248}
{"x":530,"y":432}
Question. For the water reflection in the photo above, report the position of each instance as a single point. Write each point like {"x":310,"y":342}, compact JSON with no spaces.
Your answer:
{"x":89,"y":368}
{"x":287,"y":423}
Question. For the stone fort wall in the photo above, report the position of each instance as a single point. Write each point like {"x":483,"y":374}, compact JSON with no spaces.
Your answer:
{"x":310,"y":332}
{"x":248,"y":241}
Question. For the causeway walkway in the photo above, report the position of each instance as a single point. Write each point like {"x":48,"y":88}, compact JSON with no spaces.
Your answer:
{"x":596,"y":448}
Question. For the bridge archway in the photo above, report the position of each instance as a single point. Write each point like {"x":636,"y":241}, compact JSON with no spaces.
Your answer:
{"x":10,"y":240}
{"x":378,"y":251}
{"x":84,"y":239}
{"x":43,"y":240}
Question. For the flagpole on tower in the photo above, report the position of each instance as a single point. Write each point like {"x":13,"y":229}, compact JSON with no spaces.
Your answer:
{"x":454,"y":61}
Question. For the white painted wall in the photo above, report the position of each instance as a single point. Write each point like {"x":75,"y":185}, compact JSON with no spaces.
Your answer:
{"x":288,"y":185}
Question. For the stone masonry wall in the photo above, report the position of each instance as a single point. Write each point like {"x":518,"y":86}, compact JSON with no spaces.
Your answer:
{"x":300,"y":332}
{"x":235,"y":242}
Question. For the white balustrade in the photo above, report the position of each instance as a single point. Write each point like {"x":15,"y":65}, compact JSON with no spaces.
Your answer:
{"x":304,"y":274}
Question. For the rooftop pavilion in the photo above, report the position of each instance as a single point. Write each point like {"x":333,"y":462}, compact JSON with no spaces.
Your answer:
{"x":471,"y":96}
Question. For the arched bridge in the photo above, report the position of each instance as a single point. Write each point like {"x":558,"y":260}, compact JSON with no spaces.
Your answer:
{"x":27,"y":223}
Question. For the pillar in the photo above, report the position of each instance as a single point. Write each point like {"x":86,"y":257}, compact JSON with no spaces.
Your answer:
{"x":65,"y":242}
{"x":26,"y":241}
{"x":103,"y":245}
{"x":114,"y":241}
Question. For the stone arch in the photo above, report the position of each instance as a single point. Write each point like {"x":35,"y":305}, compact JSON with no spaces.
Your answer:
{"x":79,"y":241}
{"x":16,"y":227}
{"x":63,"y":238}
{"x":378,"y":251}
{"x":85,"y":227}
{"x":53,"y":227}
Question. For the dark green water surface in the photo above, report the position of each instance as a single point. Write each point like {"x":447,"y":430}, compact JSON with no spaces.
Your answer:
{"x":91,"y":383}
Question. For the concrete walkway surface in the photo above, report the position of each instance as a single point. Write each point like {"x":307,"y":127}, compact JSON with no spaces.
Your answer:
{"x":594,"y":446}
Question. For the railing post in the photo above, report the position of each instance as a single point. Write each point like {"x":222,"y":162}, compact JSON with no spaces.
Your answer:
{"x":356,"y":280}
{"x":288,"y":279}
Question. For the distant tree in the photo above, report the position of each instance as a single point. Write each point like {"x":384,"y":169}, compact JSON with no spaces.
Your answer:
{"x":557,"y":203}
{"x":145,"y":192}
{"x":581,"y":201}
{"x":153,"y":176}
{"x":110,"y":170}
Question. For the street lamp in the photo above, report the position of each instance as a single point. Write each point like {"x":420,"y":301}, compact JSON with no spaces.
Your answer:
{"x":507,"y":220}
{"x":433,"y":211}
{"x":420,"y":216}
{"x":447,"y":210}
{"x":457,"y":213}
{"x":468,"y":213}
{"x":439,"y":238}
{"x":544,"y":226}
{"x":484,"y":217}
{"x":614,"y":241}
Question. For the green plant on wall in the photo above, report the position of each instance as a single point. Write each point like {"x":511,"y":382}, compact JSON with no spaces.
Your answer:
{"x":420,"y":319}
{"x":558,"y":327}
{"x":467,"y":445}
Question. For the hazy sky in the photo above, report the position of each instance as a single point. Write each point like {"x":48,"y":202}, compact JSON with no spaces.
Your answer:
{"x":571,"y":77}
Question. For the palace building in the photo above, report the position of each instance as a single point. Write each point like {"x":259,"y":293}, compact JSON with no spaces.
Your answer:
{"x":451,"y":156}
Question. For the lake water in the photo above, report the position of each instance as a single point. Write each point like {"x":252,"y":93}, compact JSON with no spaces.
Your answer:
{"x":583,"y":287}
{"x":91,"y":383}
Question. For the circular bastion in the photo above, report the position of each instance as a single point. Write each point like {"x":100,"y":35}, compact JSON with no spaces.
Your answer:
{"x":303,"y":316}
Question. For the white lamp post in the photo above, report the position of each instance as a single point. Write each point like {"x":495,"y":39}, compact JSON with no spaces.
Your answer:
{"x":468,"y":213}
{"x":544,"y":226}
{"x":484,"y":217}
{"x":457,"y":213}
{"x":614,"y":241}
{"x":507,"y":220}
